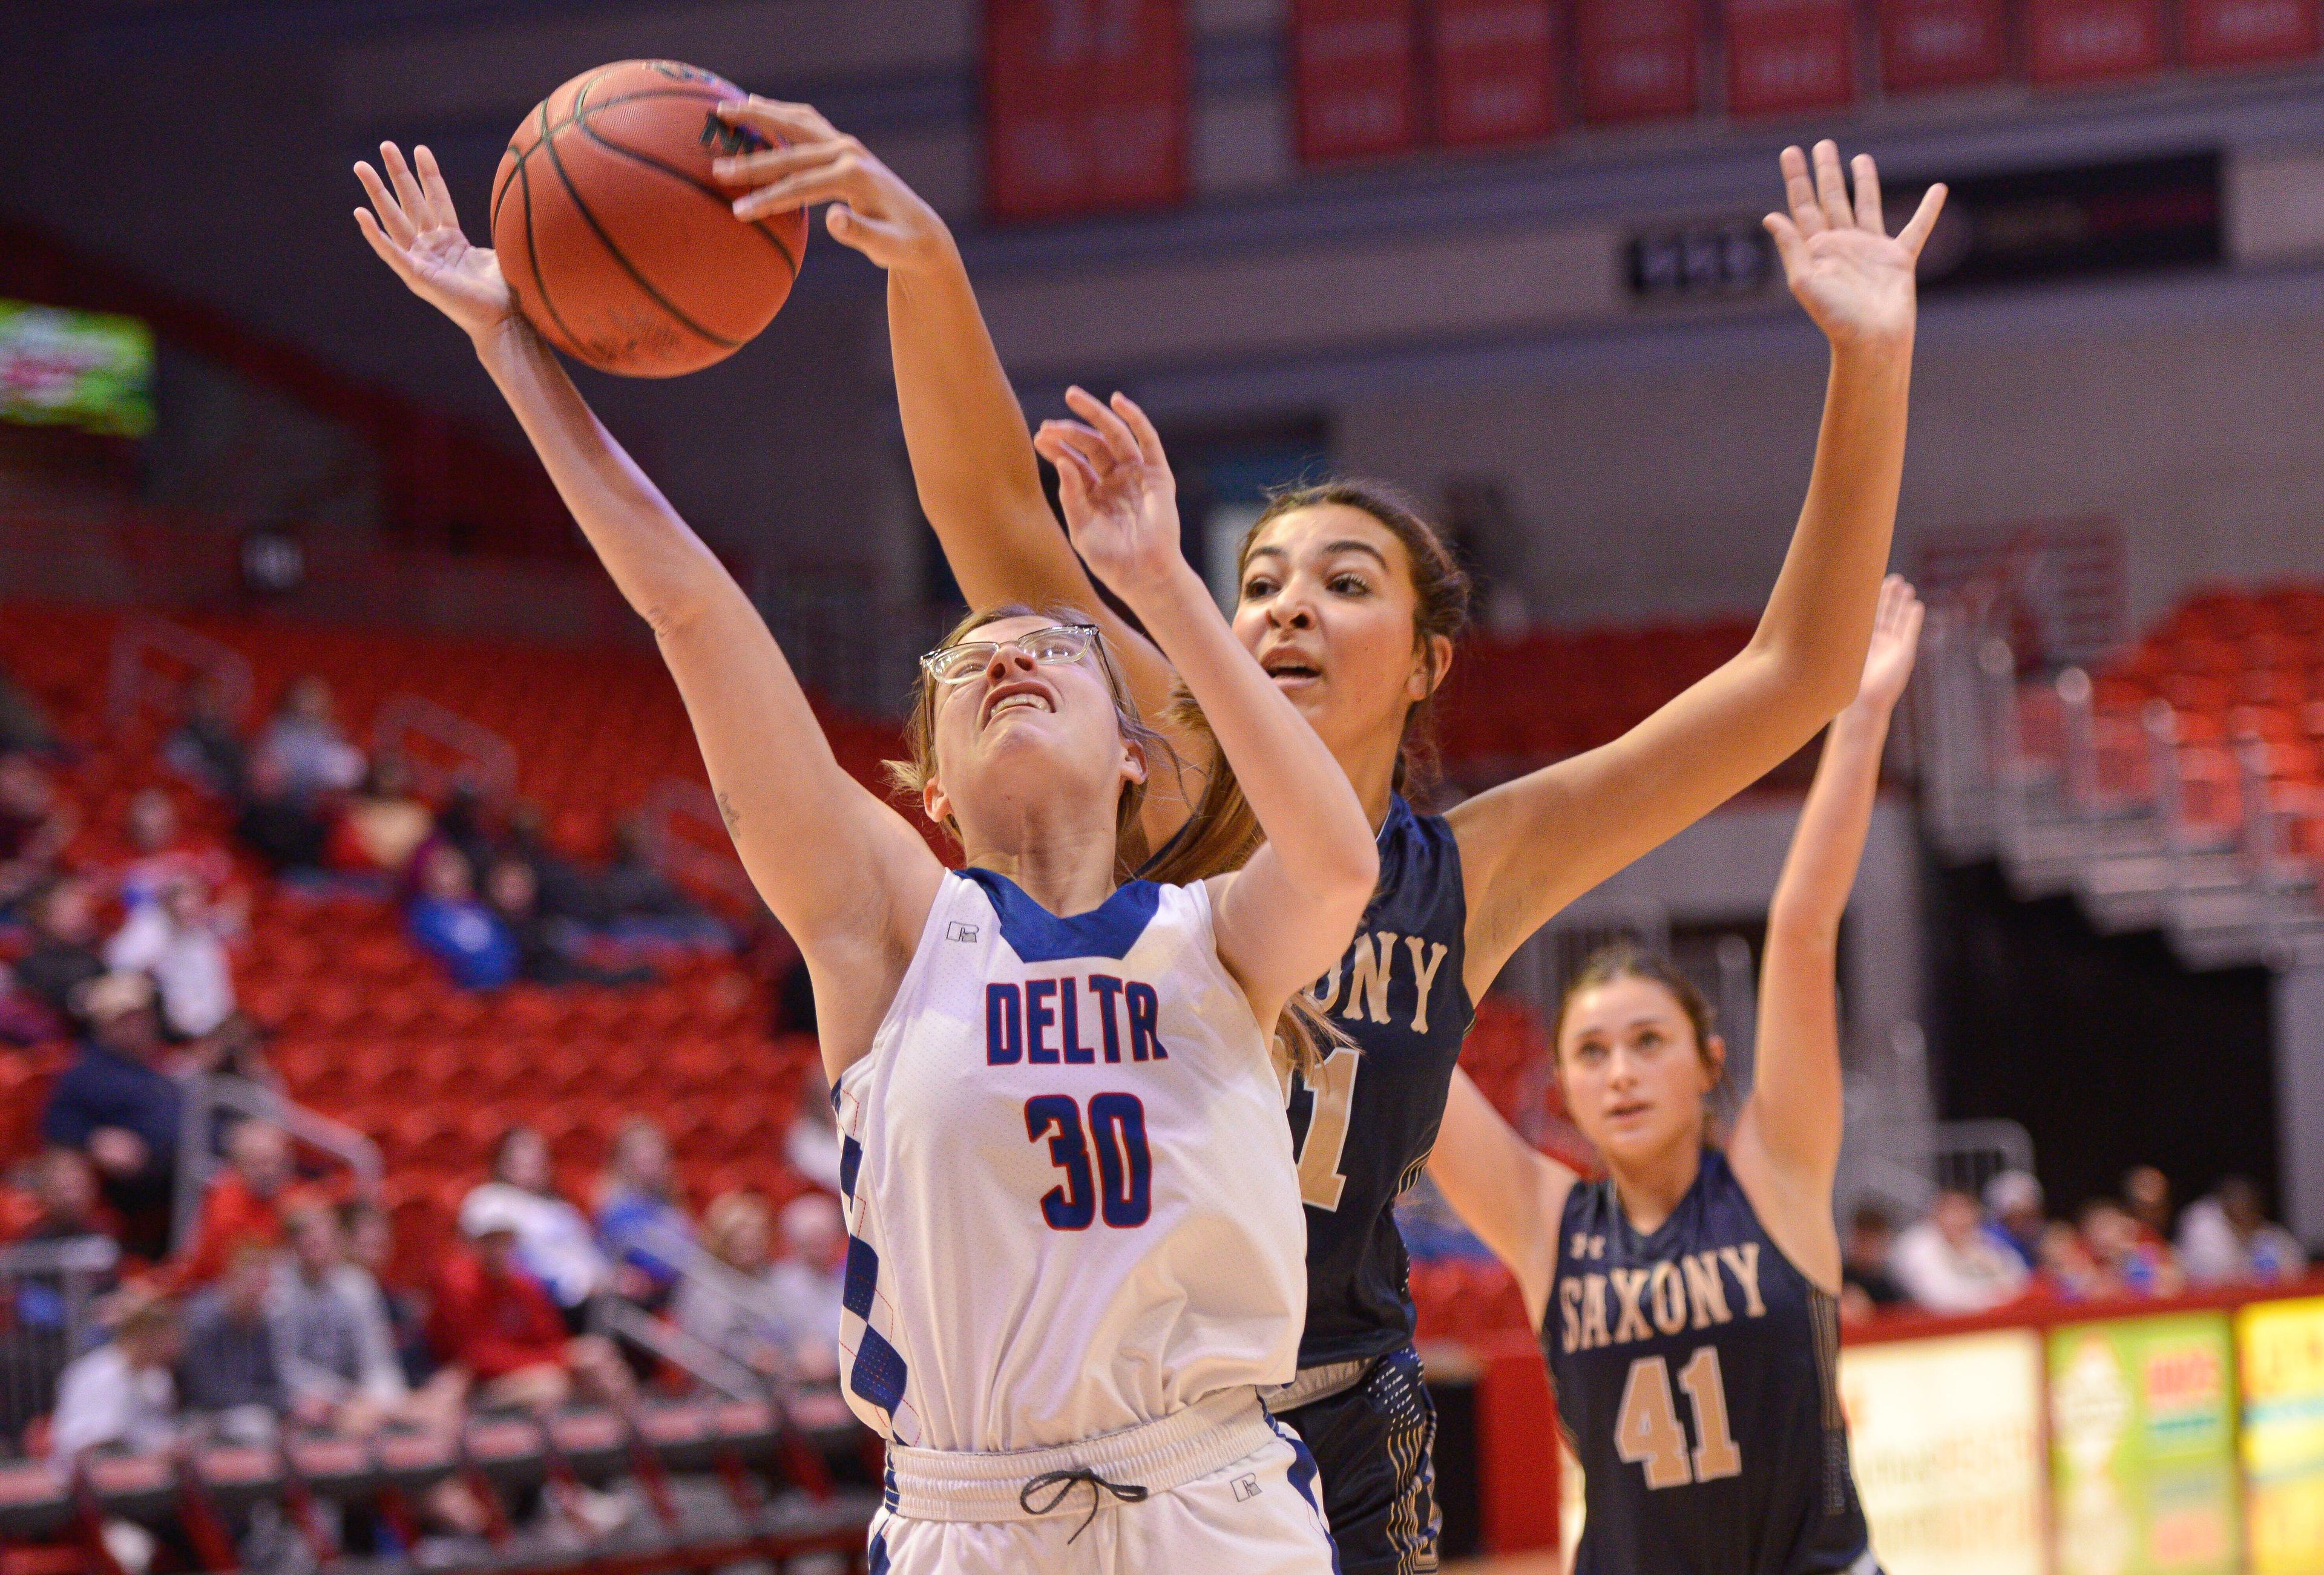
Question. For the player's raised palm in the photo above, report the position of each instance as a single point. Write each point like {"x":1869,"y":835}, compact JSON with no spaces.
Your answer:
{"x":1896,"y":642}
{"x":1121,"y":502}
{"x":1853,"y":278}
{"x":416,"y":232}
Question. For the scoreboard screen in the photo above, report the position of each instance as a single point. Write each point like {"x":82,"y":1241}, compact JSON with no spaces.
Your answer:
{"x":65,"y":368}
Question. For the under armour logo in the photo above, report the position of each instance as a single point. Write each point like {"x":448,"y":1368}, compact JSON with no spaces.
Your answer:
{"x":1245,"y":1487}
{"x":957,"y":931}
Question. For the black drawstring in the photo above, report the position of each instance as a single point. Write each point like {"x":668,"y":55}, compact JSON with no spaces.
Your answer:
{"x":1063,"y":1481}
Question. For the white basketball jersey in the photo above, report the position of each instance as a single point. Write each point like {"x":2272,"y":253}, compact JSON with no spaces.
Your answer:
{"x":1071,"y":1199}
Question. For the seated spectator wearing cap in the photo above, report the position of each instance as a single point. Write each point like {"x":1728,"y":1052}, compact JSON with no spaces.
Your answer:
{"x":124,"y":1393}
{"x":555,"y":1242}
{"x":1946,"y":1263}
{"x":181,"y":939}
{"x":638,"y":1214}
{"x":63,"y":957}
{"x":501,"y":1328}
{"x":2015,"y":1220}
{"x":231,"y":1367}
{"x":1866,"y":1285}
{"x":247,"y":1202}
{"x":115,"y":1105}
{"x":2135,"y":1264}
{"x":35,"y":824}
{"x":447,"y":921}
{"x":2227,"y":1239}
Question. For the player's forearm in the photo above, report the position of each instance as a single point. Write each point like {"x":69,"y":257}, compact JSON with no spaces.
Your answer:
{"x":1820,"y":871}
{"x":1817,"y":621}
{"x":1297,"y":791}
{"x":656,"y":561}
{"x":972,"y":460}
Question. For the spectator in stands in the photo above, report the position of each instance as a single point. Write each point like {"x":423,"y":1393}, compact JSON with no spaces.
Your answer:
{"x":1947,"y":1264}
{"x":499,"y":1325}
{"x":24,"y":1018}
{"x":2068,"y":1272}
{"x":744,"y":1320}
{"x":811,"y":1144}
{"x":2014,"y":1221}
{"x":811,"y":1278}
{"x":567,"y":891}
{"x":205,"y":746}
{"x":122,"y":1394}
{"x":2226,"y":1238}
{"x":554,"y":1241}
{"x":371,"y":1248}
{"x":640,"y":901}
{"x":35,"y":824}
{"x":63,"y":958}
{"x":447,"y":920}
{"x":1865,"y":1284}
{"x":280,"y":827}
{"x":161,"y":852}
{"x":245,"y":1204}
{"x":231,"y":1369}
{"x":331,"y":1329}
{"x":637,"y":1214}
{"x":304,"y":741}
{"x":114,"y":1104}
{"x":546,"y":948}
{"x":64,"y":1192}
{"x":384,"y":824}
{"x":2147,"y":1198}
{"x":181,"y":939}
{"x":2135,"y":1264}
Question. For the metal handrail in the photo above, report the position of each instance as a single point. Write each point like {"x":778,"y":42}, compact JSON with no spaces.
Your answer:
{"x":207,"y":1095}
{"x":488,"y":760}
{"x":131,"y":683}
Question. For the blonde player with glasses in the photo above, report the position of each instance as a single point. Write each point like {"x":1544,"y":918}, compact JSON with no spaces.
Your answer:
{"x":1076,"y":1245}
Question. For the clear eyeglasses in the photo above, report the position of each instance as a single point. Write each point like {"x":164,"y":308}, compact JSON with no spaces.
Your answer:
{"x":1052,"y":646}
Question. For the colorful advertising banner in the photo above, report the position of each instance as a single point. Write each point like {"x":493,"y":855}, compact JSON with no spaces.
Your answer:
{"x":1496,"y":70}
{"x":1946,"y":1437}
{"x":2141,"y":1446}
{"x":2244,"y":33}
{"x":1788,"y":57}
{"x":1354,"y":77}
{"x":1941,"y":43}
{"x":64,"y":368}
{"x":2279,"y":1351}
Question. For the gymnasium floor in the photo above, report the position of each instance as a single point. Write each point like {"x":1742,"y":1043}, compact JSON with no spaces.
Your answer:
{"x":2165,"y":1534}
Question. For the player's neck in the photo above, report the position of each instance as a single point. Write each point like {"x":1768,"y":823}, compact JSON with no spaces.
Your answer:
{"x":1067,"y":869}
{"x":1651,"y":1189}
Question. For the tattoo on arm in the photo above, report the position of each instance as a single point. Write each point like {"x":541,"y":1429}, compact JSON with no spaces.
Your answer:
{"x":729,"y":813}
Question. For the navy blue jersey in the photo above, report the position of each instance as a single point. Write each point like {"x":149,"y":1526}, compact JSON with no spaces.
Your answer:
{"x":1365,"y":1127}
{"x":1697,"y":1375}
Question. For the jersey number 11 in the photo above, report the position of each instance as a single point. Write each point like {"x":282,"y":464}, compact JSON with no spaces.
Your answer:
{"x":1648,"y":1434}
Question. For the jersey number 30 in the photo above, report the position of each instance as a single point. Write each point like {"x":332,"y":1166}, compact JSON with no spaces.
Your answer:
{"x":1647,"y":1433}
{"x":1125,"y":1168}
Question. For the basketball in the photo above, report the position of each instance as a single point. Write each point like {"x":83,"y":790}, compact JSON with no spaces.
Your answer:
{"x":621,"y":248}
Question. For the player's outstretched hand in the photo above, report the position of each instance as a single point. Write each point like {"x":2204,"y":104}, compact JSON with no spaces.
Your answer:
{"x":1855,"y":279}
{"x":1121,"y":502}
{"x":814,"y":162}
{"x":416,"y":232}
{"x":1896,"y":642}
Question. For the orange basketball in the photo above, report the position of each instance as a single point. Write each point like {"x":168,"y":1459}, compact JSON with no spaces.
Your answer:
{"x":622,"y":250}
